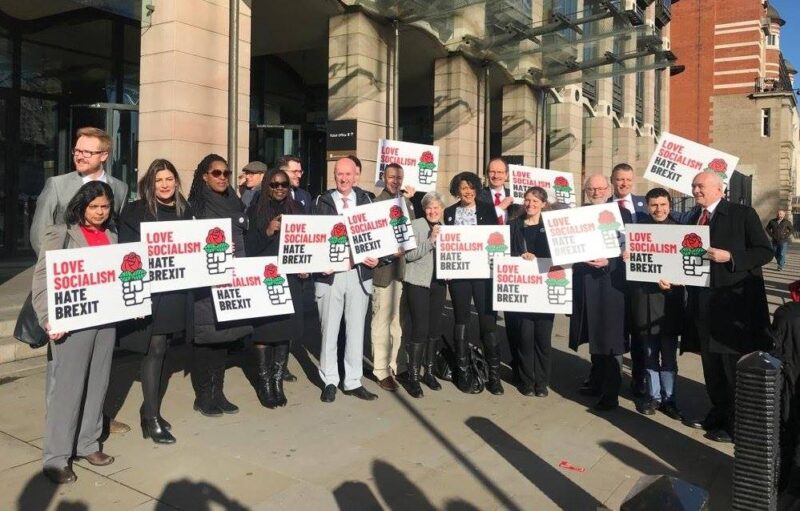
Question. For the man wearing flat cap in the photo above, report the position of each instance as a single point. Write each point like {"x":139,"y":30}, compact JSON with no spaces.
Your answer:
{"x":253,"y":174}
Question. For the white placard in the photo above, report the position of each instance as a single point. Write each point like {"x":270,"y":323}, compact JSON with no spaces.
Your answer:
{"x":467,"y":251}
{"x":531,"y":286}
{"x":582,"y":234}
{"x":420,"y":163}
{"x":95,"y":286}
{"x":184,"y":254}
{"x":379,"y":229}
{"x":560,"y":186}
{"x":257,"y":290}
{"x":676,"y":253}
{"x":313,"y":244}
{"x":677,"y":160}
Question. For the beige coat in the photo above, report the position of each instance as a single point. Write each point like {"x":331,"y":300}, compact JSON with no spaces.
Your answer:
{"x":54,"y":240}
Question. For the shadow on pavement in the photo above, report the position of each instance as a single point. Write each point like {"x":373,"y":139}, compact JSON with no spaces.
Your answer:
{"x":37,"y":494}
{"x":196,"y":496}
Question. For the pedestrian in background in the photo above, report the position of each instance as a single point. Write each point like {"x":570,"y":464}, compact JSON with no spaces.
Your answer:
{"x":780,"y":232}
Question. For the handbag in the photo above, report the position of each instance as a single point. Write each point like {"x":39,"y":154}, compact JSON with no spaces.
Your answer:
{"x":27,"y":329}
{"x":478,"y":367}
{"x":444,"y":363}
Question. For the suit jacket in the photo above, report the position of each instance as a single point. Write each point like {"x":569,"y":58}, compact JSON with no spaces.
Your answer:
{"x":640,"y":215}
{"x":304,"y":198}
{"x":57,"y":192}
{"x":732,"y":314}
{"x":54,"y":238}
{"x":513,"y":211}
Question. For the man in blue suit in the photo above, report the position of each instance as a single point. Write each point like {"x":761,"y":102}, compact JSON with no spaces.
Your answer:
{"x":622,"y":179}
{"x":294,"y":168}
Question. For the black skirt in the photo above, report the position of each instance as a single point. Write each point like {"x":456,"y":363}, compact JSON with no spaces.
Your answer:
{"x":273,"y":329}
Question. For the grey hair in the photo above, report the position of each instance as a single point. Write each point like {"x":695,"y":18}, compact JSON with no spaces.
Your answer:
{"x":716,"y":178}
{"x":589,"y":178}
{"x":431,"y":197}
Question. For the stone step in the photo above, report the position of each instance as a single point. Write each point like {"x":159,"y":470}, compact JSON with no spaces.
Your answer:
{"x":12,"y":350}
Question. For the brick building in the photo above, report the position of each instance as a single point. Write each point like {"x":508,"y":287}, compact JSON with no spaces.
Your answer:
{"x":736,"y":93}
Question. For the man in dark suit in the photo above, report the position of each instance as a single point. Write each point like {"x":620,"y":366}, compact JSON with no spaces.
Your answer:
{"x":730,"y":318}
{"x":294,"y":168}
{"x":496,"y":192}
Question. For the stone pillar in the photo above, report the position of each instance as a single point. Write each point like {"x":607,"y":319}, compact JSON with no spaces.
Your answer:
{"x":457,"y":127}
{"x":522,"y":122}
{"x":183,"y":108}
{"x":565,"y":134}
{"x":358,"y":85}
{"x":598,"y":141}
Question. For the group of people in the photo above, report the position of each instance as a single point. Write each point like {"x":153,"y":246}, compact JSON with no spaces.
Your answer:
{"x":88,"y":208}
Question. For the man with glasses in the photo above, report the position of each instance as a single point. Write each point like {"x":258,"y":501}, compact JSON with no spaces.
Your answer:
{"x":90,"y":153}
{"x":294,"y":169}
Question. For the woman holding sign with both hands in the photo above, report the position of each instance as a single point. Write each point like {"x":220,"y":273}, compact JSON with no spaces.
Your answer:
{"x":529,"y":333}
{"x":272,"y":335}
{"x":79,"y":363}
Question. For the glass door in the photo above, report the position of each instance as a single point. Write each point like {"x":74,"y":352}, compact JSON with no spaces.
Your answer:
{"x":270,"y":142}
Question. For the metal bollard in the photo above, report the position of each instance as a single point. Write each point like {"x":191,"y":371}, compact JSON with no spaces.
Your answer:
{"x":756,"y":432}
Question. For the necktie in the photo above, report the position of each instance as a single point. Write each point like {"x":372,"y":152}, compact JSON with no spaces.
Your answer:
{"x":501,"y":217}
{"x":344,"y":202}
{"x":703,"y":218}
{"x":621,"y":204}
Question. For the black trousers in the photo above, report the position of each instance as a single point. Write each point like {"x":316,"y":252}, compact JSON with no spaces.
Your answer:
{"x":606,"y":376}
{"x":477,"y":291}
{"x":425,"y":306}
{"x":719,"y":372}
{"x":530,"y":337}
{"x":638,"y":362}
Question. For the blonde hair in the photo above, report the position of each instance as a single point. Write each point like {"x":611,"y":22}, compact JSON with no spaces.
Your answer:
{"x":91,"y":132}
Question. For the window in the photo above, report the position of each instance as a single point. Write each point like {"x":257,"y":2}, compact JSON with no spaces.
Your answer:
{"x":772,"y":40}
{"x":765,"y":115}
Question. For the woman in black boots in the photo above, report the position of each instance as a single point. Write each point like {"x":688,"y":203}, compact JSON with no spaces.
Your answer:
{"x":425,"y":295}
{"x":272,"y":335}
{"x":161,"y":200}
{"x":529,"y":333}
{"x":212,"y":196}
{"x":469,"y":211}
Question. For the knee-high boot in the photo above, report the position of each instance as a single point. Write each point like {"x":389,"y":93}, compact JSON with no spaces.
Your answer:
{"x":463,"y":377}
{"x":431,"y":348}
{"x":492,"y":346}
{"x":202,"y":381}
{"x":280,"y":354}
{"x":416,"y":350}
{"x":264,"y":391}
{"x":218,"y":382}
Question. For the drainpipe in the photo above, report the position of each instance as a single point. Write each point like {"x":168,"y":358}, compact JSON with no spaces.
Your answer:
{"x":233,"y":88}
{"x":396,"y":82}
{"x":487,"y":133}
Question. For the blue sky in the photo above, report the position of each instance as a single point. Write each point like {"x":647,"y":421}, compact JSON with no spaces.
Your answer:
{"x":790,"y":33}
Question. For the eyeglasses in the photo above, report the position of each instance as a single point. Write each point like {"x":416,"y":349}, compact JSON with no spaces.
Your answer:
{"x":218,"y":173}
{"x":85,"y":153}
{"x":279,"y":184}
{"x":593,"y":190}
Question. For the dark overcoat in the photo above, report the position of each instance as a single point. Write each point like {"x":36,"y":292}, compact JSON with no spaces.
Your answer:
{"x":786,"y":334}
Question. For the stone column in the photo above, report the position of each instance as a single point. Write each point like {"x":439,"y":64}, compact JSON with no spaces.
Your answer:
{"x":522,"y":128}
{"x":457,"y":127}
{"x":359,"y":58}
{"x":183,"y":108}
{"x":565,"y":132}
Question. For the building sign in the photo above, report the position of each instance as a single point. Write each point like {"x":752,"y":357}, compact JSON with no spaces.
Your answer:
{"x":675,"y":253}
{"x":582,"y":234}
{"x":560,"y":186}
{"x":341,"y":138}
{"x":420,"y":163}
{"x":677,"y":160}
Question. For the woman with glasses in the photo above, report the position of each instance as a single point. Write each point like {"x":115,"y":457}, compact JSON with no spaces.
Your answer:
{"x":212,"y":196}
{"x":272,"y":336}
{"x":79,"y":362}
{"x":161,"y":201}
{"x":469,"y":211}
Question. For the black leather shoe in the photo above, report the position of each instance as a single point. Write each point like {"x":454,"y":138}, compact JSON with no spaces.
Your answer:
{"x":151,"y":428}
{"x":605,"y":406}
{"x":692,"y":423}
{"x":361,"y":393}
{"x":164,"y":424}
{"x":98,"y":459}
{"x":328,"y":394}
{"x":60,"y":475}
{"x":670,"y":410}
{"x":543,"y":392}
{"x":527,"y":390}
{"x":647,"y":408}
{"x":719,"y":435}
{"x":207,"y":407}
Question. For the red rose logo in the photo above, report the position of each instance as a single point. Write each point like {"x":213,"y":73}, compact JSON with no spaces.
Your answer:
{"x":339,"y":230}
{"x":557,"y":272}
{"x":496,"y":239}
{"x":270,"y":271}
{"x":427,"y":157}
{"x":692,"y":240}
{"x":718,"y":165}
{"x":560,"y":181}
{"x":606,"y":217}
{"x":131,"y":262}
{"x":215,"y":236}
{"x":395,"y":212}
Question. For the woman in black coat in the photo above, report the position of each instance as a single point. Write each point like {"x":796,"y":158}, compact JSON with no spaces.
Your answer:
{"x":272,"y":335}
{"x":529,"y":333}
{"x":161,"y":200}
{"x":212,"y":196}
{"x":469,"y":211}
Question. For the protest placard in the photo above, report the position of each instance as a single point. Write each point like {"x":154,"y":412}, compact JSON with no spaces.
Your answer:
{"x":560,"y":186}
{"x":677,"y":160}
{"x":95,"y":286}
{"x":467,"y":251}
{"x":379,"y":229}
{"x":676,"y":253}
{"x":313,"y":244}
{"x":257,"y":290}
{"x":420,"y":163}
{"x":583,"y":234}
{"x":185,"y":254}
{"x":531,"y":286}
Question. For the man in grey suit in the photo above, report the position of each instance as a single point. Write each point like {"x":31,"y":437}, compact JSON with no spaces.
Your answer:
{"x":91,"y":151}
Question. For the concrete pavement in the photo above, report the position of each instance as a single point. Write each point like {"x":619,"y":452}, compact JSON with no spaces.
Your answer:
{"x":446,"y":451}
